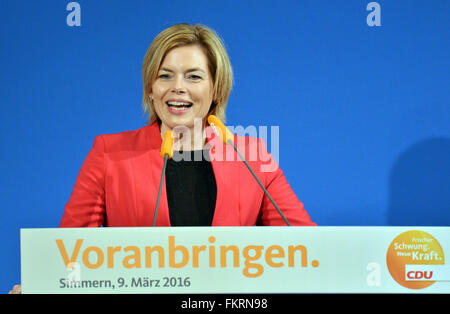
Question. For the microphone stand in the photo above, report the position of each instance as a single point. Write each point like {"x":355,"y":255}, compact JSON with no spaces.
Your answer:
{"x":166,"y":157}
{"x":259,"y":182}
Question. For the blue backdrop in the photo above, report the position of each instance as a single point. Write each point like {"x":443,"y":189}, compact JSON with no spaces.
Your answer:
{"x":363,"y":110}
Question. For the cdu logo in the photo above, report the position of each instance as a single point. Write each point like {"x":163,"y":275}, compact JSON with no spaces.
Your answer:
{"x":414,"y":258}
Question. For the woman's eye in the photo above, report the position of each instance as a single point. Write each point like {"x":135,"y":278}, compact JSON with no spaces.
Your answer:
{"x":194,"y":77}
{"x":163,"y":76}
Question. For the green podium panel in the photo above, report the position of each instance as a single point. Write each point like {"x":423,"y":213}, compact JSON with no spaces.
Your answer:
{"x":236,"y":260}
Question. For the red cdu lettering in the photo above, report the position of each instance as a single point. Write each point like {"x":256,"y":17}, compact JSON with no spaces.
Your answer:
{"x":417,"y":275}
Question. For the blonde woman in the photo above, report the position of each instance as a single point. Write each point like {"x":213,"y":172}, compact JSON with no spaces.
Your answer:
{"x":187,"y":76}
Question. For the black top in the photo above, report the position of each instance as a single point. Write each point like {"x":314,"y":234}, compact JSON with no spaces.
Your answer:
{"x":191,"y":189}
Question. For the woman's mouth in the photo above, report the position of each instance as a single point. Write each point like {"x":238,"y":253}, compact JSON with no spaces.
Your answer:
{"x":178,"y":106}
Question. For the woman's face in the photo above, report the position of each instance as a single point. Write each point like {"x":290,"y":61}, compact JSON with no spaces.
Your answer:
{"x":183,"y":89}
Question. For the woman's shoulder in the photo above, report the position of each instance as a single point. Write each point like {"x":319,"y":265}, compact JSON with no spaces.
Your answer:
{"x":144,"y":138}
{"x":255,"y":151}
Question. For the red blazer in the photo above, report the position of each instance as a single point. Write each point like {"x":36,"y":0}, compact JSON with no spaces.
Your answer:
{"x":118,"y":184}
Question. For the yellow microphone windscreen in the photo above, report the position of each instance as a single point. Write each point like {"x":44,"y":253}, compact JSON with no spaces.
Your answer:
{"x":220,"y":129}
{"x":167,"y":145}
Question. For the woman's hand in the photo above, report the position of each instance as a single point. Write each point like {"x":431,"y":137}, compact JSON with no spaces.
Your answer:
{"x":17,"y":289}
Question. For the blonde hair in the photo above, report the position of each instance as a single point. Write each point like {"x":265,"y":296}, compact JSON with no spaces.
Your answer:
{"x":184,"y":35}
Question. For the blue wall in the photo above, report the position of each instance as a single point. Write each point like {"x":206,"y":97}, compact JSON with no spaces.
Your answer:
{"x":364,"y":112}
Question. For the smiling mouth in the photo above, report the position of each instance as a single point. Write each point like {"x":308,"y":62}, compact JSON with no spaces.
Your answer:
{"x":178,"y":105}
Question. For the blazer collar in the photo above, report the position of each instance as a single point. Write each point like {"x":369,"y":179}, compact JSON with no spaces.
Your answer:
{"x":153,"y":135}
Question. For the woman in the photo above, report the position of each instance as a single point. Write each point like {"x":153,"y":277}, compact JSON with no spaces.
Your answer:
{"x":187,"y":76}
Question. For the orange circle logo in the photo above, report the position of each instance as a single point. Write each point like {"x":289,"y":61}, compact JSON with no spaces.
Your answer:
{"x":413,"y":248}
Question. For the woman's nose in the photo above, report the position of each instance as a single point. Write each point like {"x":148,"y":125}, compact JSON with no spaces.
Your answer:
{"x":178,"y":85}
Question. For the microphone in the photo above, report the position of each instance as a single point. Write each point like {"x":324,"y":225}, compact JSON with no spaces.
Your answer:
{"x":166,"y":153}
{"x":228,"y":138}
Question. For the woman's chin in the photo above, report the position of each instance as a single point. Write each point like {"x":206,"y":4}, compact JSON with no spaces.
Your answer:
{"x":188,"y":121}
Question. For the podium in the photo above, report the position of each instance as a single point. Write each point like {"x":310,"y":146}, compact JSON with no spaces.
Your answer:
{"x":221,"y":260}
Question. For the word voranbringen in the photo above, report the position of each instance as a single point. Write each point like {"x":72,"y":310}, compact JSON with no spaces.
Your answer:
{"x":178,"y":256}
